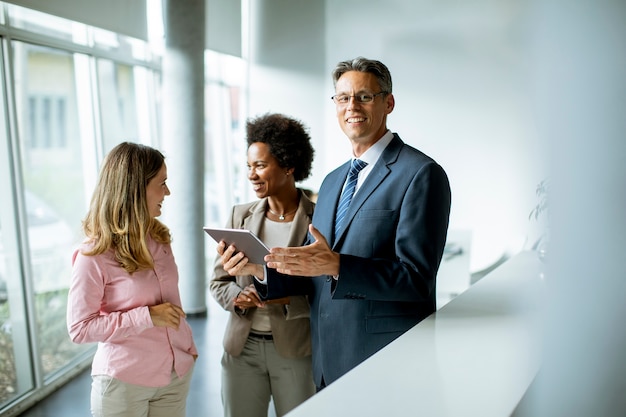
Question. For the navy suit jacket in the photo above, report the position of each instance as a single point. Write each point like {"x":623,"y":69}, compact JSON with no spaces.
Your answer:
{"x":390,"y":248}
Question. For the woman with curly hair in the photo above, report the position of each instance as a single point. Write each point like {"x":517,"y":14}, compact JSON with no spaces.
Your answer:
{"x":267,"y":345}
{"x":124,"y":292}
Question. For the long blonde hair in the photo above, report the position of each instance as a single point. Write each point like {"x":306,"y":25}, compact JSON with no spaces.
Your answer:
{"x":118,"y":216}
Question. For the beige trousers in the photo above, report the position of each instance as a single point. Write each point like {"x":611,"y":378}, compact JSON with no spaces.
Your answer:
{"x":111,"y":397}
{"x":260,"y":374}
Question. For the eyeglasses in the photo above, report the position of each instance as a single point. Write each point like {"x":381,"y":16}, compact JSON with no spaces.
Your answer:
{"x":359,"y":98}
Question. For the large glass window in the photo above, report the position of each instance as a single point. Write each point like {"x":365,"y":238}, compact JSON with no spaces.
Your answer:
{"x":225,"y":144}
{"x":12,"y":331}
{"x":127,"y":106}
{"x":73,"y":93}
{"x":46,"y":97}
{"x":225,"y":181}
{"x":118,"y":106}
{"x":49,"y":163}
{"x":16,"y":376}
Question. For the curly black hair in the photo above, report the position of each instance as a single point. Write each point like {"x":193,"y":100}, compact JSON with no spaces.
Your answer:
{"x":288,"y":140}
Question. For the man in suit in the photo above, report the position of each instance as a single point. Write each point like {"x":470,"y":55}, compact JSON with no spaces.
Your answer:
{"x":374,"y":274}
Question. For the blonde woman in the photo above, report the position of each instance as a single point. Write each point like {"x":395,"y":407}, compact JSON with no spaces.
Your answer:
{"x":124,"y":292}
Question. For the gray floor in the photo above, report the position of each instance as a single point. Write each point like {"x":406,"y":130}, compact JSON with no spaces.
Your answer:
{"x":72,"y":400}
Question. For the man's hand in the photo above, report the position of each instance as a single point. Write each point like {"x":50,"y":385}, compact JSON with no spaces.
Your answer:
{"x":235,"y":263}
{"x":308,"y":261}
{"x":166,"y":315}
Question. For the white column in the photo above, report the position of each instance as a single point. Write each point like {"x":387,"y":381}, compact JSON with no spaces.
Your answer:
{"x":183,"y":144}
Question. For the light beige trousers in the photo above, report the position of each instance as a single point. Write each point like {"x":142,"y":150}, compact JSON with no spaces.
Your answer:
{"x":111,"y":397}
{"x":260,"y":373}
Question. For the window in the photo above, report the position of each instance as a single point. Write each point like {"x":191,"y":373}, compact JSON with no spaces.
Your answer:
{"x":75,"y":92}
{"x":52,"y":173}
{"x":118,"y":105}
{"x":225,"y":145}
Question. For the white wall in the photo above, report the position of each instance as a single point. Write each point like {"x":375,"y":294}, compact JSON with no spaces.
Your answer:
{"x":467,"y":78}
{"x":580,"y":89}
{"x":287,"y":69}
{"x":460,"y":82}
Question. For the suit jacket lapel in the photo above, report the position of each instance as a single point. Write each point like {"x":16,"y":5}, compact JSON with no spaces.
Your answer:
{"x":256,"y":216}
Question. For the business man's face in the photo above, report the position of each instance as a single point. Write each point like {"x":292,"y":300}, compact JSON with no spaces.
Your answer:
{"x":363,"y":123}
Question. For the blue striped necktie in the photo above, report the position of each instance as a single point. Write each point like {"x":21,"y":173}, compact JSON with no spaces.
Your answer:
{"x":348,"y":191}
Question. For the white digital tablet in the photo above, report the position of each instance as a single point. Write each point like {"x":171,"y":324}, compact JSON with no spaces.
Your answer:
{"x":244,"y":240}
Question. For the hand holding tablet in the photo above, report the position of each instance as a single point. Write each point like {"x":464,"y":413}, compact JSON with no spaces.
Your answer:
{"x":244,"y":240}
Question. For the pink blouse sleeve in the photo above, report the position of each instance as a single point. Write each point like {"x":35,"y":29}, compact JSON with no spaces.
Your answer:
{"x":86,"y":321}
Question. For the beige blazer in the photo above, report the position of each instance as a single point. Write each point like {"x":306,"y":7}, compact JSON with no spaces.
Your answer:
{"x":290,"y":322}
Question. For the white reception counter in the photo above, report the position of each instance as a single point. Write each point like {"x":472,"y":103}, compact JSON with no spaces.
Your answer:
{"x":476,"y":356}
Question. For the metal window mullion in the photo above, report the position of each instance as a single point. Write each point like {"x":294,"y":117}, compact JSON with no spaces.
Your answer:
{"x":24,"y":310}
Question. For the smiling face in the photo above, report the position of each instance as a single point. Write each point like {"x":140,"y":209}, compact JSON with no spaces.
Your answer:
{"x":267,"y":177}
{"x":363,"y":123}
{"x":156,"y":190}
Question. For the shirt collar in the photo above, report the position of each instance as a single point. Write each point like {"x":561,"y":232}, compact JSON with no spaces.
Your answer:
{"x":373,"y":153}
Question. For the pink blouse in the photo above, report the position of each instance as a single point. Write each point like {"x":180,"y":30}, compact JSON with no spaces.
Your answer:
{"x":108,"y":305}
